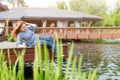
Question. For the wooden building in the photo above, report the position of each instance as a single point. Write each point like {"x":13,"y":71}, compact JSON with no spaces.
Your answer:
{"x":3,"y":7}
{"x":44,"y":16}
{"x":2,"y":24}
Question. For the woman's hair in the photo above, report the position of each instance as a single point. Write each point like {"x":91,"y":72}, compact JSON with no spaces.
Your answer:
{"x":16,"y":29}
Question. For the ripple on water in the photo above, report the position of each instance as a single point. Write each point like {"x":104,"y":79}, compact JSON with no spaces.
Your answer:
{"x":106,"y":57}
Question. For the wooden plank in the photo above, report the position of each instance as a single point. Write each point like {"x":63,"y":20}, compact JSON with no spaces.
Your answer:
{"x":116,"y":35}
{"x":61,"y":36}
{"x":82,"y":36}
{"x":105,"y":36}
{"x":2,"y":38}
{"x":29,"y":53}
{"x":71,"y":36}
{"x":94,"y":36}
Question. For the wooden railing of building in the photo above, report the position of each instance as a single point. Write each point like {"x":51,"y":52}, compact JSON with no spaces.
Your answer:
{"x":2,"y":34}
{"x":82,"y":32}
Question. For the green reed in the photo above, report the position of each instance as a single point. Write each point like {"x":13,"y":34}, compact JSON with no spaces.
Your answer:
{"x":44,"y":67}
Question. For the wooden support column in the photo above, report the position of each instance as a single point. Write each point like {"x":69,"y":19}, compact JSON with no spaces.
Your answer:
{"x":44,"y":23}
{"x":59,"y":24}
{"x":2,"y":25}
{"x":77,"y":24}
{"x":66,"y":23}
{"x":90,"y":23}
{"x":14,"y":23}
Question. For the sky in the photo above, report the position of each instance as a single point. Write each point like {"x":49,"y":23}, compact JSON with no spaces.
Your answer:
{"x":46,"y":3}
{"x":43,"y":3}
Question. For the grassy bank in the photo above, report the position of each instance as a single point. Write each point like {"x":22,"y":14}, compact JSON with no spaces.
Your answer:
{"x":94,"y":41}
{"x":101,"y":41}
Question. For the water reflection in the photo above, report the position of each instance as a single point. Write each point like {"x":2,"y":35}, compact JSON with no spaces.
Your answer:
{"x":104,"y":56}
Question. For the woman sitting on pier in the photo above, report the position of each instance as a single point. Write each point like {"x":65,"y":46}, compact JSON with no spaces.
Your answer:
{"x":23,"y":31}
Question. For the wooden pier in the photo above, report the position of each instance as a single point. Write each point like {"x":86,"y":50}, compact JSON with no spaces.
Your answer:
{"x":29,"y":52}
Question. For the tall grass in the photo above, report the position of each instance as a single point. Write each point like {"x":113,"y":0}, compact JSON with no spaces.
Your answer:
{"x":45,"y":68}
{"x":8,"y":71}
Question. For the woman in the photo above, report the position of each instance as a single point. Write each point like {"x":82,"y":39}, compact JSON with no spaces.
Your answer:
{"x":23,"y":31}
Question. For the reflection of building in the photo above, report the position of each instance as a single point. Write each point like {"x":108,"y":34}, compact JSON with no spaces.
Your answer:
{"x":44,"y":16}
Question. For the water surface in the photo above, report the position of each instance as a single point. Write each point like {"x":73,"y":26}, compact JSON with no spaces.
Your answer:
{"x":105,"y":57}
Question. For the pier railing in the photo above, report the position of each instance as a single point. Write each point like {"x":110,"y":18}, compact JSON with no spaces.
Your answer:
{"x":84,"y":32}
{"x":81,"y":32}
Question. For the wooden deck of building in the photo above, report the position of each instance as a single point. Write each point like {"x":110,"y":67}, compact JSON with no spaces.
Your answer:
{"x":83,"y":32}
{"x":78,"y":33}
{"x":10,"y":47}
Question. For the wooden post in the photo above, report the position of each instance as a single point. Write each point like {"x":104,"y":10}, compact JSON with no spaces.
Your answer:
{"x":90,"y":23}
{"x":88,"y":32}
{"x":77,"y":24}
{"x":2,"y":25}
{"x":65,"y":33}
{"x":44,"y":23}
{"x":100,"y":33}
{"x":14,"y":23}
{"x":110,"y":33}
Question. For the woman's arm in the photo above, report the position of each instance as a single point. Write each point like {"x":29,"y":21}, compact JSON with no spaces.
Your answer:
{"x":31,"y":26}
{"x":19,"y":42}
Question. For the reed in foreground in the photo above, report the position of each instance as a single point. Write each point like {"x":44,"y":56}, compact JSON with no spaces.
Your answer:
{"x":45,"y":68}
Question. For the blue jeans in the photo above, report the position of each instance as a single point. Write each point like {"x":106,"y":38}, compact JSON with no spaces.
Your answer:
{"x":49,"y":41}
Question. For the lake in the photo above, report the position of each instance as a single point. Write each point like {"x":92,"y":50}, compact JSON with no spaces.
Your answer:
{"x":105,"y":57}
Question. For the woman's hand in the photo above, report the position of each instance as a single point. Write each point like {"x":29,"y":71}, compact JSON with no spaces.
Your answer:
{"x":31,"y":24}
{"x":21,"y":46}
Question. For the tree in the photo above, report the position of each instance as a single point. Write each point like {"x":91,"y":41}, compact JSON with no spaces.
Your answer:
{"x":96,"y":7}
{"x":117,"y":6}
{"x":15,"y":3}
{"x":117,"y":19}
{"x":61,"y":5}
{"x":108,"y":20}
{"x":116,"y":14}
{"x":77,"y":5}
{"x":20,"y":3}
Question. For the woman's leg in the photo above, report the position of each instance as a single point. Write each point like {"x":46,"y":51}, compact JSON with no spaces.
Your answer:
{"x":49,"y":41}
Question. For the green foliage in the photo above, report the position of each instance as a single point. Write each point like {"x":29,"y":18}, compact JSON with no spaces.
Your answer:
{"x":8,"y":72}
{"x":7,"y":35}
{"x":62,"y":5}
{"x":117,"y":6}
{"x":86,"y":6}
{"x":72,"y":25}
{"x":99,"y":8}
{"x":108,"y":20}
{"x":43,"y":67}
{"x":9,"y":38}
{"x":117,"y":19}
{"x":112,"y":20}
{"x":19,"y":3}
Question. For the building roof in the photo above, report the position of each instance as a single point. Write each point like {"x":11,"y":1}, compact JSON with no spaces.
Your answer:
{"x":28,"y":13}
{"x":3,"y":7}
